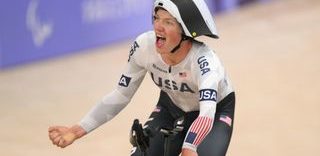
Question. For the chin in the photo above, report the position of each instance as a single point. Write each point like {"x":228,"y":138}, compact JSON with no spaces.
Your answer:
{"x":160,"y":51}
{"x":163,"y":52}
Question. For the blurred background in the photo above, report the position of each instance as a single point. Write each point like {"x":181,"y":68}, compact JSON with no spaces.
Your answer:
{"x":58,"y":58}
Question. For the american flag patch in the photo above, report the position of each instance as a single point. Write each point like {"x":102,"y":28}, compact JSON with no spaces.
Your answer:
{"x":226,"y":119}
{"x":191,"y":136}
{"x":199,"y":130}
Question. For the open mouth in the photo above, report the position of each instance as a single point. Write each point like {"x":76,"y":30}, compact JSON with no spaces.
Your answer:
{"x":160,"y":41}
{"x":160,"y":37}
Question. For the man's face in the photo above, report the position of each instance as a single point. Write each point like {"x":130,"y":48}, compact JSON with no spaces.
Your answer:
{"x":168,"y":31}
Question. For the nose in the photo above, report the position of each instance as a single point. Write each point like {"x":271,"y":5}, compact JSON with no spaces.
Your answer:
{"x":158,"y":26}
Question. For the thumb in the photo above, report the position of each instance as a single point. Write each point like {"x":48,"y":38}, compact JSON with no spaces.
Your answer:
{"x":66,"y":140}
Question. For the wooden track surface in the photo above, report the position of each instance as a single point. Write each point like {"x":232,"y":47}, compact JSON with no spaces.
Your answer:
{"x":271,"y":52}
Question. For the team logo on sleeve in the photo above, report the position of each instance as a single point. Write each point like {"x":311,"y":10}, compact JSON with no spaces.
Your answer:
{"x":204,"y":65}
{"x":133,"y":49}
{"x":208,"y":95}
{"x":124,"y":81}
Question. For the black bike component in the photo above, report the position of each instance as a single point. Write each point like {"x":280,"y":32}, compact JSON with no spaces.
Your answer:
{"x":139,"y":137}
{"x":169,"y":133}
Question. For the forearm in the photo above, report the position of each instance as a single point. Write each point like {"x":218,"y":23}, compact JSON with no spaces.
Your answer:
{"x":200,"y":127}
{"x":104,"y":111}
{"x":197,"y":132}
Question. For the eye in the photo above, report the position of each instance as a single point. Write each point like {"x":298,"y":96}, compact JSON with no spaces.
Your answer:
{"x":155,"y":17}
{"x":169,"y":22}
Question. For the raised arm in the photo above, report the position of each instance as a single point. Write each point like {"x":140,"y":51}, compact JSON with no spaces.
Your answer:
{"x":107,"y":108}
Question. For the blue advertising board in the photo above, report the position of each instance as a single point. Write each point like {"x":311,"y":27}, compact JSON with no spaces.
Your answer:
{"x":36,"y":29}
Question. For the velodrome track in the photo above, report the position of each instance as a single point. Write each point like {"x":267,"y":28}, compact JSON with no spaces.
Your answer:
{"x":271,"y":52}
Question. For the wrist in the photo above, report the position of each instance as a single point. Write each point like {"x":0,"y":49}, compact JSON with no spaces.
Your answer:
{"x":78,"y":131}
{"x":189,"y":146}
{"x":188,"y":152}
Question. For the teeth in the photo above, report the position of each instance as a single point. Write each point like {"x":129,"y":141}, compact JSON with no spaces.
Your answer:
{"x":161,"y":37}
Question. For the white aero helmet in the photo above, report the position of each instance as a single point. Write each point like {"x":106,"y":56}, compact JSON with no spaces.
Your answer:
{"x":193,"y":15}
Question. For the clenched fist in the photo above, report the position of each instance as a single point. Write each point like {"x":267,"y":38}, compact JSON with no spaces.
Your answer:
{"x":63,"y":136}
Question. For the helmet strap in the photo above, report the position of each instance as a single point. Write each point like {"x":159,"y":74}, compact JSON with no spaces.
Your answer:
{"x":183,"y":38}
